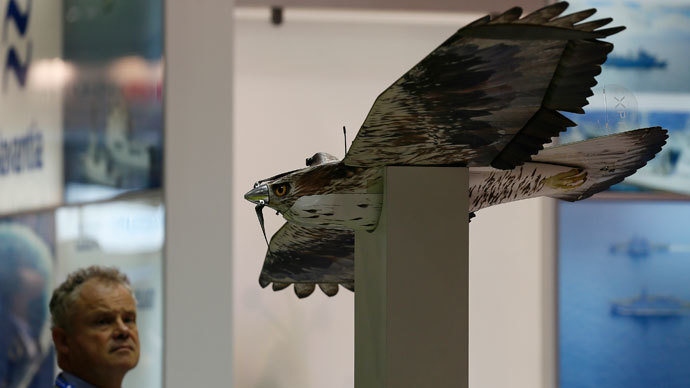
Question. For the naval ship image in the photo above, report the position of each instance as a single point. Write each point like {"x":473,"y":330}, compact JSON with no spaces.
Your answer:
{"x":645,"y":305}
{"x":643,"y":60}
{"x":638,"y":248}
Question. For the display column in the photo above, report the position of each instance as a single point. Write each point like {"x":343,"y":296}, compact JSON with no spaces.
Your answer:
{"x":198,"y":192}
{"x":412,"y":283}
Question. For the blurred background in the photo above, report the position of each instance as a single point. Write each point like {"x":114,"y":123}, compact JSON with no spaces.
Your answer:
{"x":130,"y":130}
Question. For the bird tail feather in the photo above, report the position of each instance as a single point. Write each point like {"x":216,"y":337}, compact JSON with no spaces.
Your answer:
{"x":607,"y":159}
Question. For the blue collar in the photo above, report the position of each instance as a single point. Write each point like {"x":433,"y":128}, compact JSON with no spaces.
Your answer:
{"x":68,"y":380}
{"x":60,"y":382}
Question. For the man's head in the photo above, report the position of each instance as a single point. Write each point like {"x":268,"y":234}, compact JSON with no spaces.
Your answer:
{"x":94,"y":325}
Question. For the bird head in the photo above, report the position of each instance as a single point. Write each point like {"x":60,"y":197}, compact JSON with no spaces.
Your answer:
{"x":281,"y":191}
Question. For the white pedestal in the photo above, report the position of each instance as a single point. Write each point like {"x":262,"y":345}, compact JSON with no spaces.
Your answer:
{"x":412,"y":283}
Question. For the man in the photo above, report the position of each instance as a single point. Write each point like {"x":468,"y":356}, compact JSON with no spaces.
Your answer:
{"x":94,"y":328}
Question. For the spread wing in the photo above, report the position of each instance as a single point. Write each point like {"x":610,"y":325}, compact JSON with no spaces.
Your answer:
{"x":606,"y":159}
{"x":306,"y":257}
{"x":489,"y":95}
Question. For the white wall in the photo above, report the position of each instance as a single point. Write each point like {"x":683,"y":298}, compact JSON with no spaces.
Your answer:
{"x":513,"y":295}
{"x":295,"y":86}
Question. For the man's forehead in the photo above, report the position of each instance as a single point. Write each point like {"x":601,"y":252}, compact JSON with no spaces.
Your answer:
{"x":98,"y":294}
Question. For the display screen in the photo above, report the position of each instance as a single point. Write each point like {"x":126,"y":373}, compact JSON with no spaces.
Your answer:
{"x":644,"y":82}
{"x":624,"y":295}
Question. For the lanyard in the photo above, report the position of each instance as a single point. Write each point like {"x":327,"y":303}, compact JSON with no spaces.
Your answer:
{"x":62,"y":383}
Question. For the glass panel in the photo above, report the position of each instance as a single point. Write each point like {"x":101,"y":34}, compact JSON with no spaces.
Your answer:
{"x":113,"y":104}
{"x":129,"y":236}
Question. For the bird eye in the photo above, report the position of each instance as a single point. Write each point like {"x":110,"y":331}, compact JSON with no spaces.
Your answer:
{"x":281,"y":189}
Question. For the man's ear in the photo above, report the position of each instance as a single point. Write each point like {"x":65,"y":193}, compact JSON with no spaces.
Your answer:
{"x":60,"y":340}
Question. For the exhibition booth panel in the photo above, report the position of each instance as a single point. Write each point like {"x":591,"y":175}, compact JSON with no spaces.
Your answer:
{"x":80,"y":125}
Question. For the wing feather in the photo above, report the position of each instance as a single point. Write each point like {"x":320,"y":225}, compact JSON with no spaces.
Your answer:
{"x":508,"y":16}
{"x":606,"y":159}
{"x":571,"y":19}
{"x":308,"y":256}
{"x":593,"y":25}
{"x":489,"y":95}
{"x":545,"y":14}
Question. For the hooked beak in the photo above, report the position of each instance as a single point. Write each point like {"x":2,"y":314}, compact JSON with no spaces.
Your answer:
{"x":258,"y":195}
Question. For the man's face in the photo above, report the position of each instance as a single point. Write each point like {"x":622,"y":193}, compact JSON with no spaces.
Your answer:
{"x":103,"y":336}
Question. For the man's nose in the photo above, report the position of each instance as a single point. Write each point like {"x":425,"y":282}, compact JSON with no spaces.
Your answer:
{"x":121,"y":329}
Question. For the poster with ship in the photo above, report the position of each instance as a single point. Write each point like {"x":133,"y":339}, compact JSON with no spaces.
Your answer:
{"x":645,"y":82}
{"x":27,"y":252}
{"x":623,"y":294}
{"x":113,"y":123}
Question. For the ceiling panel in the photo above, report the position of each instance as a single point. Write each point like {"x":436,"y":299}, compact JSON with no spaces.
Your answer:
{"x":403,"y":5}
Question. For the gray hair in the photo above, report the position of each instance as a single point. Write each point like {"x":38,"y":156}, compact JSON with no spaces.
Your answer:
{"x":64,"y":297}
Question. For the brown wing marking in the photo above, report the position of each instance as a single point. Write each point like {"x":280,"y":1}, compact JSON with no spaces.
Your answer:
{"x":309,"y":256}
{"x":489,"y":95}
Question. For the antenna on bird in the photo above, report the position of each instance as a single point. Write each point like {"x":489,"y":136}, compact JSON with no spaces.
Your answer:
{"x":345,"y":138}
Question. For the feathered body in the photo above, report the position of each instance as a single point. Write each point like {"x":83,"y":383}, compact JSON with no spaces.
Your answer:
{"x":488,"y":99}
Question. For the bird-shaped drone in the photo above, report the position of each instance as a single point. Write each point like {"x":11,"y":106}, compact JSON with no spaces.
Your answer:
{"x":488,"y":98}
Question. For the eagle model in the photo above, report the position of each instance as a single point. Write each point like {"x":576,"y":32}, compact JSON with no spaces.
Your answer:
{"x":488,"y":99}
